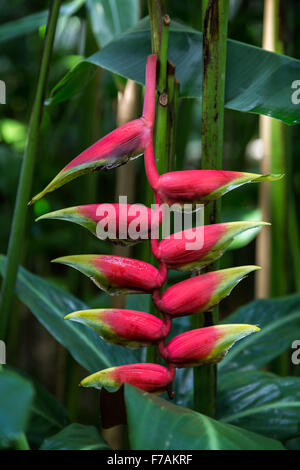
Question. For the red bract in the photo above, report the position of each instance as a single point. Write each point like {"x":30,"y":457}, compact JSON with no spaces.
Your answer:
{"x":200,"y":293}
{"x":129,"y":328}
{"x":115,"y":274}
{"x":147,"y":377}
{"x":196,"y":186}
{"x":120,"y":223}
{"x":204,"y":345}
{"x":116,"y":148}
{"x":195,"y":248}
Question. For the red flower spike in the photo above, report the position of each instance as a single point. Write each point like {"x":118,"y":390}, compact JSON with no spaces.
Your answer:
{"x":129,"y":328}
{"x":205,"y":345}
{"x":125,"y":224}
{"x":197,"y":247}
{"x":200,"y":293}
{"x":115,"y":274}
{"x":147,"y":377}
{"x":117,"y":147}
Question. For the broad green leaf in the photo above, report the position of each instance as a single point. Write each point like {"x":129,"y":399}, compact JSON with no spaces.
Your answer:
{"x":156,"y":424}
{"x":183,"y":386}
{"x":16,"y":396}
{"x":76,"y":437}
{"x":261,"y":402}
{"x":27,"y":24}
{"x":257,"y":81}
{"x":47,"y":414}
{"x":279,"y":320}
{"x":109,"y":18}
{"x":50,"y":304}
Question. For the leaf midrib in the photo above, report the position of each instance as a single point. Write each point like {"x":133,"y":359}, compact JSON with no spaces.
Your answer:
{"x":260,"y":409}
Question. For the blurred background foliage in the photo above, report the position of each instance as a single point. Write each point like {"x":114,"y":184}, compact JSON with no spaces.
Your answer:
{"x":69,"y":127}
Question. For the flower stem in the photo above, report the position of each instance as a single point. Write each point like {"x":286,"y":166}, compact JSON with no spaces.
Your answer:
{"x":214,"y":17}
{"x":25,"y":180}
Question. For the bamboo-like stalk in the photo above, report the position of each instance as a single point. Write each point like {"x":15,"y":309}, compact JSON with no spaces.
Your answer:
{"x":162,"y":111}
{"x":214,"y":16}
{"x":294,"y":238}
{"x":154,"y":9}
{"x":272,"y":246}
{"x":25,"y":180}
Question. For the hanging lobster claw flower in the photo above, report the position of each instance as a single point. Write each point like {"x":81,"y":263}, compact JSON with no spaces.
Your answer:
{"x":113,"y":150}
{"x":116,"y":274}
{"x":200,"y":293}
{"x":117,"y":147}
{"x":147,"y":377}
{"x":205,"y":345}
{"x":128,"y":328}
{"x":125,"y":224}
{"x":202,"y":186}
{"x":197,"y":247}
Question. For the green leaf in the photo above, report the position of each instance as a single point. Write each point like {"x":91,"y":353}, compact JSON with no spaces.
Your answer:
{"x":76,"y":437}
{"x":244,"y":238}
{"x":27,"y":24}
{"x":110,"y":18}
{"x":156,"y":424}
{"x":72,"y":83}
{"x":16,"y":396}
{"x":279,"y":320}
{"x":47,"y":414}
{"x":50,"y":304}
{"x":257,"y":81}
{"x":261,"y":402}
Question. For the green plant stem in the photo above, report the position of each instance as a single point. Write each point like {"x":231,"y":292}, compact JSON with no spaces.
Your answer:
{"x":154,"y":9}
{"x":294,"y":237}
{"x":278,"y":192}
{"x":21,"y":443}
{"x":160,"y":146}
{"x":25,"y":180}
{"x":159,"y":29}
{"x":214,"y":16}
{"x":173,"y":96}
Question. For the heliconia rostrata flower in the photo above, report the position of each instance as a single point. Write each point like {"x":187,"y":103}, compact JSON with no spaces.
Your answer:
{"x":204,"y":345}
{"x":129,"y":328}
{"x":114,"y":220}
{"x":147,"y":377}
{"x":200,"y":293}
{"x":215,"y":239}
{"x":116,"y":274}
